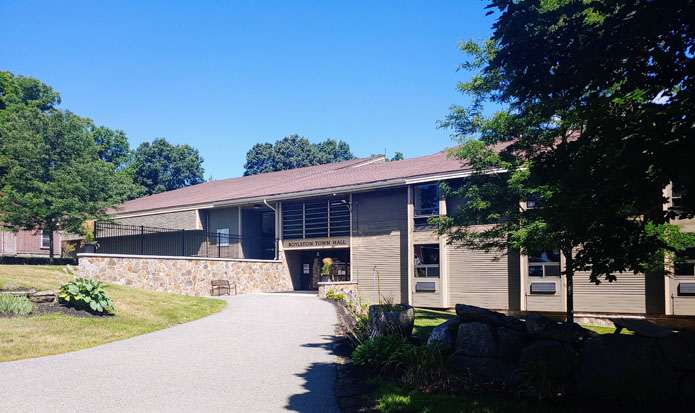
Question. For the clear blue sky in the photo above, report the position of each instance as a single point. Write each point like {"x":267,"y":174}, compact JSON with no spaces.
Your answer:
{"x":222,"y":76}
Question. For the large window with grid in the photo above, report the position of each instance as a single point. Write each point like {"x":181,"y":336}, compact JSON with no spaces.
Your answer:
{"x":316,"y":218}
{"x":544,"y":263}
{"x":426,"y":260}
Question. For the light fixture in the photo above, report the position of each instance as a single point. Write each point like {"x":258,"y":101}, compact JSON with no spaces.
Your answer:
{"x":257,"y":206}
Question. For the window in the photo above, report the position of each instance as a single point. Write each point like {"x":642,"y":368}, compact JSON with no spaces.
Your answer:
{"x":677,"y":193}
{"x":533,"y":201}
{"x":544,"y":264}
{"x":45,"y":239}
{"x":685,"y":262}
{"x":223,"y":237}
{"x":427,"y":260}
{"x":426,"y":200}
{"x":268,"y":224}
{"x":316,"y":219}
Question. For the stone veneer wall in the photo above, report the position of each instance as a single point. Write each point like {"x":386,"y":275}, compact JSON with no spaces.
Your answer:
{"x":186,"y":275}
{"x":338,"y":287}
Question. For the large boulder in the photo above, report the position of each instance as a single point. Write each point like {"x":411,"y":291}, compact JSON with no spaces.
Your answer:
{"x":486,"y":370}
{"x":626,"y":367}
{"x":510,"y":343}
{"x":676,"y":351}
{"x":472,"y":313}
{"x":544,"y":328}
{"x":476,"y":339}
{"x":444,"y":334}
{"x":550,"y":355}
{"x":399,"y":322}
{"x":687,"y":389}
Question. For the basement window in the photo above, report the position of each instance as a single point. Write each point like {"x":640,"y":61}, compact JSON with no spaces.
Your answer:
{"x":544,"y":264}
{"x":427,"y":260}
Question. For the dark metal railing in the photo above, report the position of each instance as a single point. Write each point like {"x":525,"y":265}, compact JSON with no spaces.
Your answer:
{"x":112,"y":238}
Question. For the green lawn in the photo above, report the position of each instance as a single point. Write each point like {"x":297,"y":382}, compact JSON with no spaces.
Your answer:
{"x":136,"y":312}
{"x":427,"y":320}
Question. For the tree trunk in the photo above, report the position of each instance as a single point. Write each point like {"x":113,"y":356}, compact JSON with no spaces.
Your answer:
{"x":569,"y":274}
{"x":50,"y":247}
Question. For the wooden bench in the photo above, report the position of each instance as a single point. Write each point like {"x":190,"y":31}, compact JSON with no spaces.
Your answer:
{"x":220,"y":286}
{"x":640,"y":327}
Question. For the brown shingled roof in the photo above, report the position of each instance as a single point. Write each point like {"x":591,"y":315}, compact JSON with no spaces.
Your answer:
{"x":328,"y":176}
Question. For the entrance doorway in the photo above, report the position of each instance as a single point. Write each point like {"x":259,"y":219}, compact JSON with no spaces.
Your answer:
{"x":306,"y":265}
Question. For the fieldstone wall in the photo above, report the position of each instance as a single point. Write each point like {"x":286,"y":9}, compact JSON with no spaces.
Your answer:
{"x":513,"y":353}
{"x":338,"y":287}
{"x":186,"y":275}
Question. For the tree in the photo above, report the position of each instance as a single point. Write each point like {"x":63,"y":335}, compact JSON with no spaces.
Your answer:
{"x":294,"y":152}
{"x":596,"y":120}
{"x":397,"y":156}
{"x":17,"y":92}
{"x":113,"y":146}
{"x":160,"y":166}
{"x":54,"y":179}
{"x":331,"y":151}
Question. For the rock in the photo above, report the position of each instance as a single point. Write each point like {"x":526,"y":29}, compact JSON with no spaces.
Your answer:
{"x":675,"y":350}
{"x":536,"y":322}
{"x":486,"y":370}
{"x":552,"y":353}
{"x":386,"y":322}
{"x":43,"y":297}
{"x":687,"y":388}
{"x":626,"y":367}
{"x":510,"y":343}
{"x":476,"y":339}
{"x":544,"y":328}
{"x":445,"y":334}
{"x":472,"y":313}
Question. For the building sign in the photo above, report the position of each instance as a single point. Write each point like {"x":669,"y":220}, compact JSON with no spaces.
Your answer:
{"x":316,"y":243}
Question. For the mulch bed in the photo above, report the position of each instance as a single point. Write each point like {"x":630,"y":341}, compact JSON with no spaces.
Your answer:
{"x":55,"y":307}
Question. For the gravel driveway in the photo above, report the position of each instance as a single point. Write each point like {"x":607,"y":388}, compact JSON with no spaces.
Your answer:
{"x":263,"y":352}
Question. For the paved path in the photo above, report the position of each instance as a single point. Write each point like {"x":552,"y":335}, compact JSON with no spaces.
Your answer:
{"x":265,"y":352}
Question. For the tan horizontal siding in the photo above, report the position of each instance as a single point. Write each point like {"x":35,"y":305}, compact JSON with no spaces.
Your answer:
{"x":539,"y":302}
{"x":422,"y":299}
{"x":625,"y":295}
{"x":172,"y":220}
{"x":379,"y":243}
{"x":683,"y":305}
{"x":425,"y":237}
{"x":476,"y":279}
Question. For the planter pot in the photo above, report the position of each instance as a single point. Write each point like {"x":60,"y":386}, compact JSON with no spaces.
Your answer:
{"x":325,"y":278}
{"x":90,"y":248}
{"x":386,"y":322}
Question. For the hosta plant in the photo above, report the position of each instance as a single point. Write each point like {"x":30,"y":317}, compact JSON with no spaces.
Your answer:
{"x":85,"y":294}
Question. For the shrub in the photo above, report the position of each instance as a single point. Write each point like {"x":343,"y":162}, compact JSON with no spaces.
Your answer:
{"x":85,"y":294}
{"x":423,"y":367}
{"x":377,"y":351}
{"x":15,"y":304}
{"x":538,"y":381}
{"x":335,"y":296}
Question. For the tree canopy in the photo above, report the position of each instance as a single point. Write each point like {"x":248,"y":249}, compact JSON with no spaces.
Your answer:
{"x":294,"y":152}
{"x":594,"y":120}
{"x":54,"y":179}
{"x":58,"y":169}
{"x":160,"y":166}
